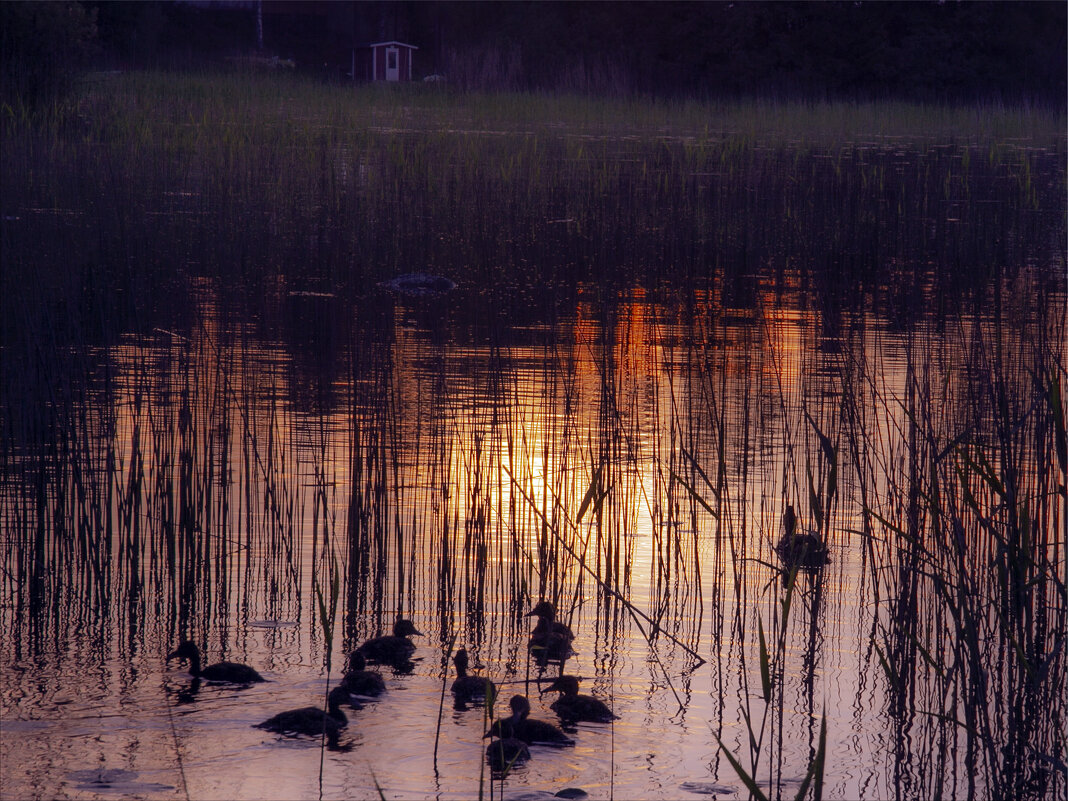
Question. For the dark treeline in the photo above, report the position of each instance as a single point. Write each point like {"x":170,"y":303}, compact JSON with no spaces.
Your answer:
{"x":827,"y":49}
{"x":927,"y":51}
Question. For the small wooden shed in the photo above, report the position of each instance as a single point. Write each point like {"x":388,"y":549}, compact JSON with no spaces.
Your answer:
{"x":383,"y":61}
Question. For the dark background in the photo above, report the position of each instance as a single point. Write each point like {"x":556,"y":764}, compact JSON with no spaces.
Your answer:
{"x":928,"y":51}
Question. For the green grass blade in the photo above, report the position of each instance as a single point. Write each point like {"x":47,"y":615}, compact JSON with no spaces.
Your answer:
{"x":747,"y":780}
{"x":765,"y":664}
{"x":815,"y":767}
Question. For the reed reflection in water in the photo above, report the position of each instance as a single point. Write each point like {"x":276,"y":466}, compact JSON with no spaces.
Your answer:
{"x":627,"y":456}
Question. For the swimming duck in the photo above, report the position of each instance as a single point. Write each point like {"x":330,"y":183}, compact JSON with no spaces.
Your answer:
{"x":530,"y":730}
{"x":798,"y":547}
{"x":550,"y":641}
{"x":311,"y":720}
{"x":467,"y":687}
{"x":391,"y":649}
{"x":232,"y":672}
{"x":503,"y":753}
{"x":571,"y":706}
{"x":545,"y":612}
{"x":359,"y":681}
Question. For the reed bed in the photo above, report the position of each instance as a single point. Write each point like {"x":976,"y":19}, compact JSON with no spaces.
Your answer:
{"x":672,"y":321}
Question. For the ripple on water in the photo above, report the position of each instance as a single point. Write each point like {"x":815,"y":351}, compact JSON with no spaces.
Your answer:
{"x":707,"y":788}
{"x":271,"y":624}
{"x":114,"y":781}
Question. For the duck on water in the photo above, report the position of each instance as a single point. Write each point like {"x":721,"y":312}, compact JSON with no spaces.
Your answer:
{"x":519,"y":725}
{"x":467,"y":688}
{"x":573,"y":707}
{"x":503,"y":753}
{"x":359,"y":681}
{"x":550,"y":641}
{"x":798,"y":547}
{"x":312,"y":721}
{"x":392,"y":649}
{"x":232,"y":672}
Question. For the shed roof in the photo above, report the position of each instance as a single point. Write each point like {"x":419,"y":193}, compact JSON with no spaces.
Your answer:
{"x":384,"y":44}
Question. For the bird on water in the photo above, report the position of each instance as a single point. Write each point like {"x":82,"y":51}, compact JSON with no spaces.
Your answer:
{"x":312,"y":720}
{"x":572,"y":707}
{"x":798,"y":547}
{"x":550,"y":641}
{"x":233,"y":672}
{"x":392,"y":649}
{"x":521,"y":726}
{"x":466,"y":687}
{"x":360,"y":681}
{"x":503,"y":753}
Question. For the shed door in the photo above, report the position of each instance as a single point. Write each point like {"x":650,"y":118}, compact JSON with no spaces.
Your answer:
{"x":392,"y":64}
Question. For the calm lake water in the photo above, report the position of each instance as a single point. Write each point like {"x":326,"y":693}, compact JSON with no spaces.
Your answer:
{"x":195,"y":464}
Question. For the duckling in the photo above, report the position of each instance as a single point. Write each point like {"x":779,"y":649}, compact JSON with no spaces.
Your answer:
{"x":799,"y":548}
{"x":359,"y":681}
{"x":545,"y":612}
{"x":503,"y":753}
{"x":530,"y":730}
{"x":311,"y":720}
{"x":550,"y":641}
{"x":466,"y":688}
{"x":232,"y":672}
{"x":571,"y":706}
{"x":391,"y":649}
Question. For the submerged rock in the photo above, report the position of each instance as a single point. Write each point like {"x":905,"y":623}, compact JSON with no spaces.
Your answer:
{"x":419,"y":285}
{"x":574,"y":793}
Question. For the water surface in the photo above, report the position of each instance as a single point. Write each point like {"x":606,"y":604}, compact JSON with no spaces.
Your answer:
{"x":200,"y":460}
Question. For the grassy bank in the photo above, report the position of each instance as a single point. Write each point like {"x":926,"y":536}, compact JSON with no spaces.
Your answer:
{"x":160,"y":100}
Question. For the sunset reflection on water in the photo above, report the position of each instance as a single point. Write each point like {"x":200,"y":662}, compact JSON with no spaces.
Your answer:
{"x":630,"y":461}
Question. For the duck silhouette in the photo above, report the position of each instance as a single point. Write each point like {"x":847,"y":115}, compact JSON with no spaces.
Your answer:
{"x":312,"y":721}
{"x":359,"y":681}
{"x":519,"y":725}
{"x":467,"y":688}
{"x":392,"y":649}
{"x":232,"y":672}
{"x":550,"y":641}
{"x":798,"y":547}
{"x":573,"y":707}
{"x":505,"y":752}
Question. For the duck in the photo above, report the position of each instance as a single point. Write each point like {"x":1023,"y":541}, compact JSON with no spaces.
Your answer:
{"x":232,"y":672}
{"x":572,"y":707}
{"x":359,"y":681}
{"x":504,"y":752}
{"x":467,"y":687}
{"x":550,"y":641}
{"x":545,"y":612}
{"x":311,"y":720}
{"x":530,"y":730}
{"x":392,"y":649}
{"x":797,"y":547}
